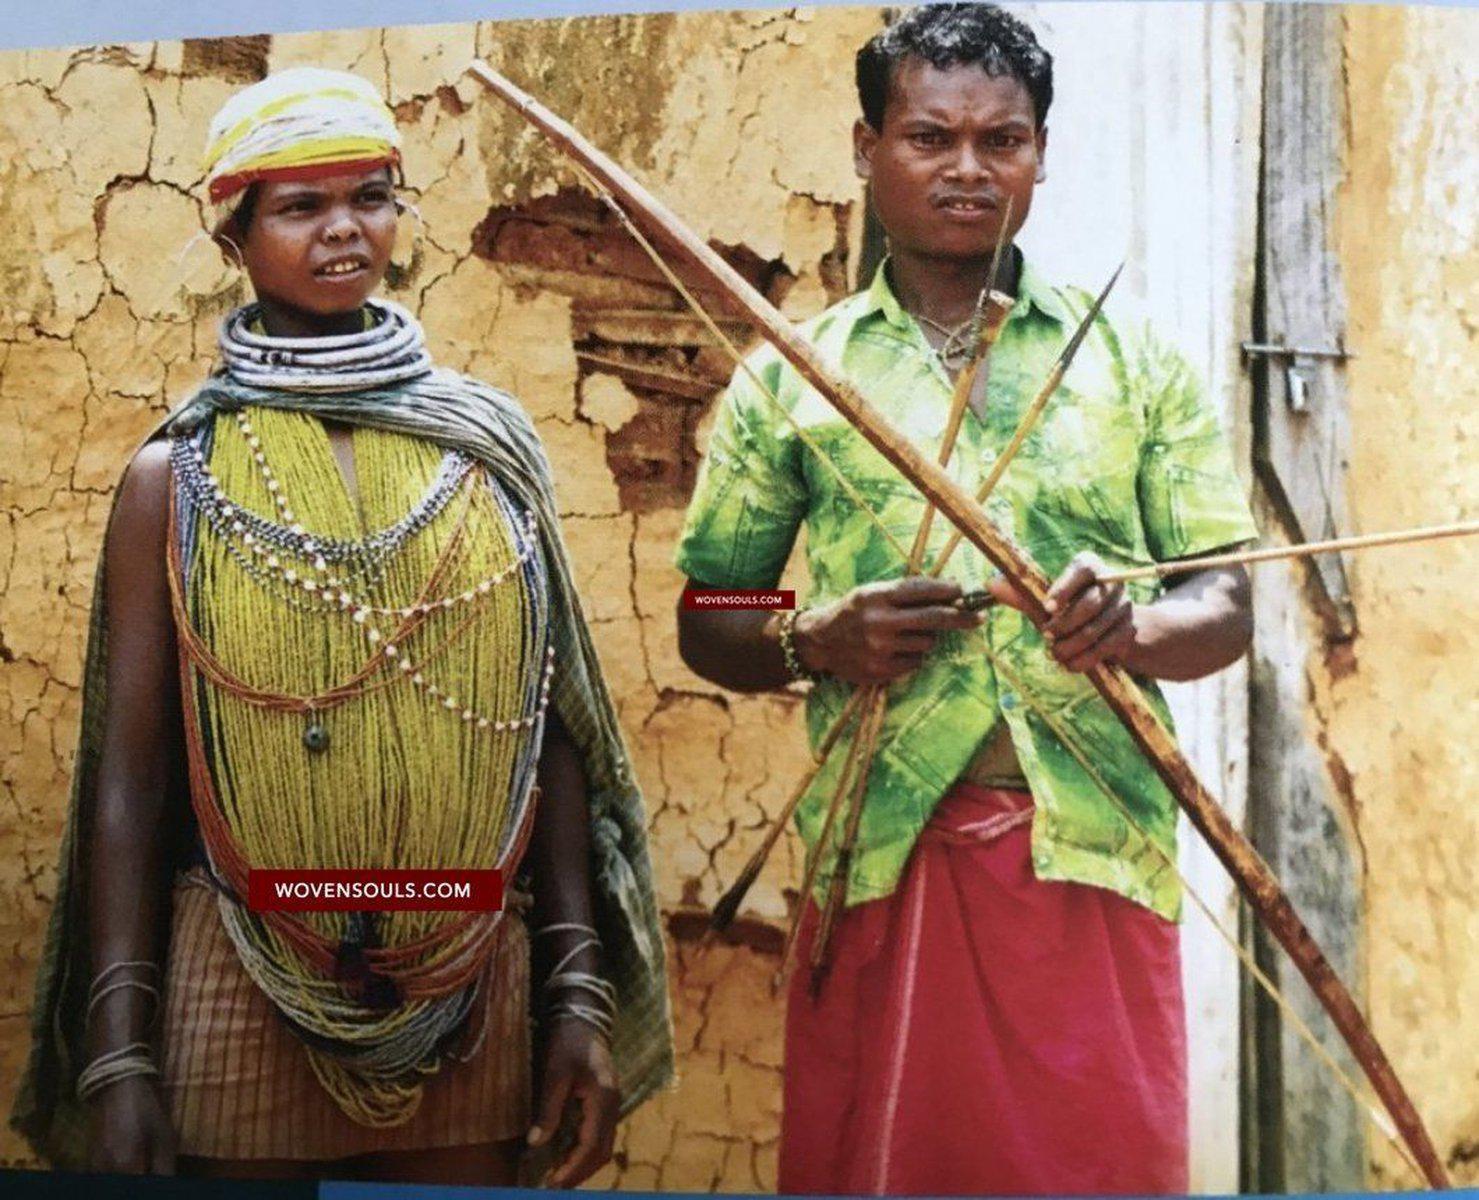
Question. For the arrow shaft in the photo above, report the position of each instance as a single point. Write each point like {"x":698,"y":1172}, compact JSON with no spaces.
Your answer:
{"x":1365,"y":541}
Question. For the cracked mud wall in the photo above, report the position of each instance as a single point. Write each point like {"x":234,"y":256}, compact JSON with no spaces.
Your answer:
{"x":108,"y":319}
{"x":1400,"y":710}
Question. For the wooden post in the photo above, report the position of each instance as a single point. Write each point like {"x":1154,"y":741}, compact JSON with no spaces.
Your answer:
{"x":1305,"y":1133}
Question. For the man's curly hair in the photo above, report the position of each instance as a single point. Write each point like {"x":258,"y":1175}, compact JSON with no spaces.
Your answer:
{"x":950,"y":35}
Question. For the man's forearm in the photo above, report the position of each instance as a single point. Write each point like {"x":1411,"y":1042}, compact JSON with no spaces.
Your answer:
{"x":874,"y":634}
{"x":1200,"y":626}
{"x":737,"y":650}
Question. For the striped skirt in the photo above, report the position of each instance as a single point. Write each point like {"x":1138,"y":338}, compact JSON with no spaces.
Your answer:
{"x":239,"y":1084}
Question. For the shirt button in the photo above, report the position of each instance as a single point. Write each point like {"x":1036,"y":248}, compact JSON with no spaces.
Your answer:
{"x":1042,"y":860}
{"x":1009,"y":702}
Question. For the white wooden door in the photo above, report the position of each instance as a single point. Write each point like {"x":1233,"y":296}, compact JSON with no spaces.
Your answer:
{"x":1153,"y":157}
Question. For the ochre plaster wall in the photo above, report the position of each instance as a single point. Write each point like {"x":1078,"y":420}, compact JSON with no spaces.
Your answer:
{"x":103,"y":327}
{"x":1400,"y":711}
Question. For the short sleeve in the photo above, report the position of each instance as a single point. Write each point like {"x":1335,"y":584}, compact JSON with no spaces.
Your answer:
{"x":1191,"y":499}
{"x":750,"y":497}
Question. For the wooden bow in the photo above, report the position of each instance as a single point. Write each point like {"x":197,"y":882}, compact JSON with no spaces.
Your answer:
{"x":1249,"y":871}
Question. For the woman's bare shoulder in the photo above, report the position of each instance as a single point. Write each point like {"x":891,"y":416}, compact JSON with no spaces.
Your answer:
{"x":143,"y":505}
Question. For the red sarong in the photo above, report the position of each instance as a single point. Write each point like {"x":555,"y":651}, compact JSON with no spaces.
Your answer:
{"x":982,"y":1031}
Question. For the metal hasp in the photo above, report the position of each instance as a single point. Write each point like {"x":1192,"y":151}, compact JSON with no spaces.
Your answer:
{"x":1296,"y":375}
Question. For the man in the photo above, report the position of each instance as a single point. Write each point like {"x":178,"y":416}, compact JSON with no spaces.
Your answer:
{"x":1003,"y":1009}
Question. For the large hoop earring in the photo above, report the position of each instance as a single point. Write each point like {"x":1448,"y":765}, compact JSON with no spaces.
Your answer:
{"x":237,"y":258}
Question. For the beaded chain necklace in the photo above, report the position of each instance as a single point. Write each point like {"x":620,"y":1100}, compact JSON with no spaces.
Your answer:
{"x":959,"y":340}
{"x":427,"y":634}
{"x":256,"y":543}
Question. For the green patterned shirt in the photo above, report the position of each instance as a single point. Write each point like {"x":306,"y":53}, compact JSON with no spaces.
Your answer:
{"x":1127,"y":461}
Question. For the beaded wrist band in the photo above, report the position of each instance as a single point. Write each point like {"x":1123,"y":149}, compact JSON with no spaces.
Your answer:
{"x":794,"y":666}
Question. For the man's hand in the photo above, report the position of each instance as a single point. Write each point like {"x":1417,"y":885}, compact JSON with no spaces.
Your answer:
{"x":880,"y":631}
{"x":1090,"y":622}
{"x":131,"y":1131}
{"x":1201,"y":624}
{"x":577,"y":1068}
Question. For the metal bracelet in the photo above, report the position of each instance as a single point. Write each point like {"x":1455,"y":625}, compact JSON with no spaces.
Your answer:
{"x":105,"y":984}
{"x":119,"y":985}
{"x":114,"y":1067}
{"x":582,"y":981}
{"x":598,"y":1020}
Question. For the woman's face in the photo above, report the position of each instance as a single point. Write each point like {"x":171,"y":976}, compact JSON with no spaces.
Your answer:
{"x":320,"y":247}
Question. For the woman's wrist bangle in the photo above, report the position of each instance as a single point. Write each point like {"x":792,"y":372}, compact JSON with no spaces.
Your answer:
{"x":598,"y":1019}
{"x":798,"y":670}
{"x":115,"y":1066}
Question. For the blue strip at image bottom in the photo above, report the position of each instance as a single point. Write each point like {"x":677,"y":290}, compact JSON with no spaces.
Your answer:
{"x":389,"y":1191}
{"x":63,"y":1185}
{"x":67,"y":1185}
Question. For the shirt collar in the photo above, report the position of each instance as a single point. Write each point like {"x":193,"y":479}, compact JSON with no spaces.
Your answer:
{"x":1033,"y":291}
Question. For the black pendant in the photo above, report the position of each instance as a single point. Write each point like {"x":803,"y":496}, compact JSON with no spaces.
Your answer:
{"x":315,"y":738}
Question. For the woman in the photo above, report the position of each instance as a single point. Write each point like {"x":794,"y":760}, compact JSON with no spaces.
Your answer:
{"x":335,"y":625}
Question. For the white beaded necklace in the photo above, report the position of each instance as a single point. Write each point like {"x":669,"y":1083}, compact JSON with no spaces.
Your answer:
{"x":330,"y":593}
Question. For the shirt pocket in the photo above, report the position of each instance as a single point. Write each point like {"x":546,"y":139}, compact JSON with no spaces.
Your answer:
{"x":1083,"y":473}
{"x":1020,"y":646}
{"x":848,"y":544}
{"x":1072,"y":509}
{"x":932,"y":731}
{"x":1191,"y":507}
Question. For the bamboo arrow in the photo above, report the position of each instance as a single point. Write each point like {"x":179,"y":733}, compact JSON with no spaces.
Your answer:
{"x":1119,"y":691}
{"x":1033,"y":411}
{"x":728,"y":904}
{"x":991,"y":316}
{"x":1365,"y":541}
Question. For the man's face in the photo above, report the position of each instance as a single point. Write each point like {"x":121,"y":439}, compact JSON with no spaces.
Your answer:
{"x":955,"y":146}
{"x":321,"y":246}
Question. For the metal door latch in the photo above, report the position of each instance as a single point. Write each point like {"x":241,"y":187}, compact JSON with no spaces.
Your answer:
{"x":1296,"y":367}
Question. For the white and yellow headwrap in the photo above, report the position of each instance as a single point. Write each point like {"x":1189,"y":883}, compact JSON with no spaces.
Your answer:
{"x":302,"y":123}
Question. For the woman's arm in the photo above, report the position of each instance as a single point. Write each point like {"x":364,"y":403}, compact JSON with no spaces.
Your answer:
{"x":128,"y":879}
{"x":577,"y":1061}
